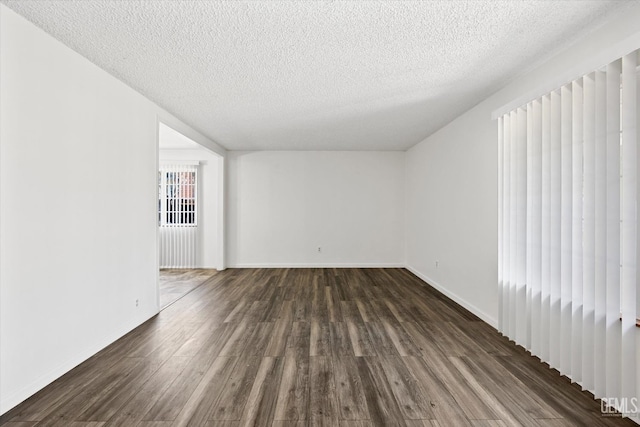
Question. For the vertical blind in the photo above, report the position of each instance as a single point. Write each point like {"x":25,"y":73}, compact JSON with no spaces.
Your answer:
{"x":568,"y":236}
{"x":177,"y":214}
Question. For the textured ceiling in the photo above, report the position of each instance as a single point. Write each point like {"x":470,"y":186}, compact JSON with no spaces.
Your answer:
{"x":326,"y":75}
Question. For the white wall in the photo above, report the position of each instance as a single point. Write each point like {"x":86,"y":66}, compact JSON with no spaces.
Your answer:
{"x":208,"y":202}
{"x":285,"y":204}
{"x":452,"y":179}
{"x":78,"y":183}
{"x":452,"y":213}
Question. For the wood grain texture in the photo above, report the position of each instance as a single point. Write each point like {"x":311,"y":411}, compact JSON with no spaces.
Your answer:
{"x":176,"y":282}
{"x":412,"y":400}
{"x":306,"y":347}
{"x":349,"y":389}
{"x":261,"y":404}
{"x":199,"y":408}
{"x":293,"y":395}
{"x":236,"y":390}
{"x":322,"y":392}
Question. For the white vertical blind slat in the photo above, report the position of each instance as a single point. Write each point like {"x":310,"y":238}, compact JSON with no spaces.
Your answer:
{"x":555,"y":233}
{"x":521,"y":224}
{"x":588,"y":227}
{"x":529,"y":233}
{"x":546,"y":230}
{"x":501,"y":234}
{"x":197,"y":206}
{"x":576,"y":240}
{"x":566,"y":228}
{"x":629,"y":234}
{"x":536,"y":228}
{"x":612,"y":317}
{"x":600,"y":297}
{"x":506,"y":226}
{"x":513,"y":221}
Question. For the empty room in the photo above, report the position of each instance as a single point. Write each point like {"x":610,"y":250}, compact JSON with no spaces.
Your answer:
{"x":338,"y":213}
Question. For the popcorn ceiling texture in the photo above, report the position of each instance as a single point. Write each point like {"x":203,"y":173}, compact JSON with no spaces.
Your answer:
{"x":317,"y":75}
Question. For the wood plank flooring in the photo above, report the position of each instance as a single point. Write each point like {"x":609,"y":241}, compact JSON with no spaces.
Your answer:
{"x":307,"y":347}
{"x":177,"y":282}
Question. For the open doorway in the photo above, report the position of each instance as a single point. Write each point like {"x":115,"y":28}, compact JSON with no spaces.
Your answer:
{"x":189,"y":227}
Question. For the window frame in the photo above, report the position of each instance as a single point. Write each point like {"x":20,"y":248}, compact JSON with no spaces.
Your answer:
{"x":175,"y":191}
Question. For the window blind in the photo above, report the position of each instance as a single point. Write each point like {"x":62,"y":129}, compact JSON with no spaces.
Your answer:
{"x":568,"y":235}
{"x":177,"y":214}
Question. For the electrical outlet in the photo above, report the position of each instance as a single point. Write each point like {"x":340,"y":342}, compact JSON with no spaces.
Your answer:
{"x":319,"y":248}
{"x":137,"y":302}
{"x":437,"y":264}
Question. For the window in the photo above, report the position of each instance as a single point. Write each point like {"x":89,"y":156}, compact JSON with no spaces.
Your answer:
{"x":568,"y":233}
{"x":177,"y":195}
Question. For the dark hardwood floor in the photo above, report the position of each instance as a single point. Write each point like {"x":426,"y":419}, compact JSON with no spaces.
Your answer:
{"x":298,"y":347}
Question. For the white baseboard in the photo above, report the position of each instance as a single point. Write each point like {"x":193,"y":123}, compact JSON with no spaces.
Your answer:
{"x":14,"y":399}
{"x":318,"y":265}
{"x":472,"y":308}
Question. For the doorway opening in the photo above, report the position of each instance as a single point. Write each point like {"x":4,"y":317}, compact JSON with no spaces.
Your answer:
{"x":188,"y":216}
